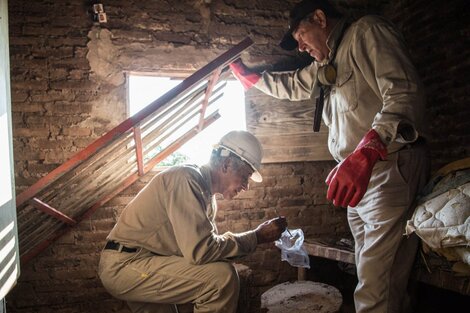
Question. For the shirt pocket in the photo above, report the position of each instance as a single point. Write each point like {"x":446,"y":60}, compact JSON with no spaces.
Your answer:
{"x":344,"y":91}
{"x":326,"y":114}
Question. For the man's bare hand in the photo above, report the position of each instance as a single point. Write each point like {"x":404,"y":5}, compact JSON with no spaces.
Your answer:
{"x":270,"y":230}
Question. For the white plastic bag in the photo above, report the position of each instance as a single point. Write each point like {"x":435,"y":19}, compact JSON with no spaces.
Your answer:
{"x":292,"y":249}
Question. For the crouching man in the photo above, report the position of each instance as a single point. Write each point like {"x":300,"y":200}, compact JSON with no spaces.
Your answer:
{"x":165,"y":248}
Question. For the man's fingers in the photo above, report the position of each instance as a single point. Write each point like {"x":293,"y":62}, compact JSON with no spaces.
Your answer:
{"x":238,"y":61}
{"x":330,"y":175}
{"x":341,"y":193}
{"x":332,"y":188}
{"x":280,"y":223}
{"x":348,"y":196}
{"x":271,"y":230}
{"x":236,"y":64}
{"x":357,"y":198}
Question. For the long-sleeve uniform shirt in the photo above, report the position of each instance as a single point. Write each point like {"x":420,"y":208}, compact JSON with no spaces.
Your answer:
{"x":376,"y":87}
{"x":174,"y":215}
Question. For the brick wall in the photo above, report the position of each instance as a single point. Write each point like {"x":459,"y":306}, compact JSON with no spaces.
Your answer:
{"x":437,"y":33}
{"x":68,"y":88}
{"x":63,"y":278}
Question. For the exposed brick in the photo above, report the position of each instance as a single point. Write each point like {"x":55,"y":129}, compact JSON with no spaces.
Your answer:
{"x":77,"y":131}
{"x":58,"y":73}
{"x":29,"y":85}
{"x":56,"y":156}
{"x":28,"y":108}
{"x":78,"y":74}
{"x":55,"y":92}
{"x":62,"y":52}
{"x":27,"y":41}
{"x":288,"y":181}
{"x":72,"y":85}
{"x":287,"y":191}
{"x":74,"y":274}
{"x":29,"y":132}
{"x":50,"y":95}
{"x":40,"y":168}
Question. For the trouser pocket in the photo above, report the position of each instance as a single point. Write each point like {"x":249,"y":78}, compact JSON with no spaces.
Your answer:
{"x":122,"y":272}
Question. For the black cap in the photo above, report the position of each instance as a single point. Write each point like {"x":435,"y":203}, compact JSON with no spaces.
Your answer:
{"x":301,"y":11}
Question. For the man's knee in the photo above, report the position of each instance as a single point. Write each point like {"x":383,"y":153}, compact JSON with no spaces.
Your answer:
{"x":225,"y":277}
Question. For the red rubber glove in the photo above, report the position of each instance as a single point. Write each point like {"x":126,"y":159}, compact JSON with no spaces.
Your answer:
{"x":347,"y":182}
{"x":243,"y":74}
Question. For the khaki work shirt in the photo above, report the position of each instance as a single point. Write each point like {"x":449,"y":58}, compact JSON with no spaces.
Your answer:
{"x":376,"y":87}
{"x":174,"y":215}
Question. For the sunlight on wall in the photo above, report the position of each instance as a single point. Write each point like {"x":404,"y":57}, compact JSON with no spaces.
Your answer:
{"x":145,"y":89}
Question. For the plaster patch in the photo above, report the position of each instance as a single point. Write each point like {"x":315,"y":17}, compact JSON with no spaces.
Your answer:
{"x":103,"y":56}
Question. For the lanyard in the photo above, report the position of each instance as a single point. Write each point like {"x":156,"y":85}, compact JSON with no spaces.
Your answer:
{"x":328,"y":75}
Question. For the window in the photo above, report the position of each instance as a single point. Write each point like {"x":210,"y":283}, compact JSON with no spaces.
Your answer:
{"x":145,"y":89}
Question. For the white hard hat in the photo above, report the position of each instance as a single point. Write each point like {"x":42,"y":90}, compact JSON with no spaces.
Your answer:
{"x":247,"y":147}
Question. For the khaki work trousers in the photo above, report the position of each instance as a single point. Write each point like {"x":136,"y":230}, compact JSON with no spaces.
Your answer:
{"x":154,"y":284}
{"x":384,"y":256}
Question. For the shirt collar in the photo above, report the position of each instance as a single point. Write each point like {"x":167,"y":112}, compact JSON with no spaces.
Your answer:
{"x":206,"y":175}
{"x":334,"y":38}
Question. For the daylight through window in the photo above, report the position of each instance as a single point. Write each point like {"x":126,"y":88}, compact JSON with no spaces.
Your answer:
{"x":143,"y":90}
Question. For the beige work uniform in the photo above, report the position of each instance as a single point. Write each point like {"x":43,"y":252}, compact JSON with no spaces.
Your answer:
{"x":376,"y":87}
{"x":181,"y":257}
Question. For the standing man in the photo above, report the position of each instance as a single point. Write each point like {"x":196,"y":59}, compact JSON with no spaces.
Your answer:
{"x":165,"y":248}
{"x":374,"y":110}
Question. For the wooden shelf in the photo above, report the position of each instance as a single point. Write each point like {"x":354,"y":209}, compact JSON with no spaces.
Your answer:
{"x":329,"y":250}
{"x":437,"y":275}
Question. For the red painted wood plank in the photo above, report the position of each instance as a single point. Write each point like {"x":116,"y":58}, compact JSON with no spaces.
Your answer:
{"x":125,"y":126}
{"x":46,"y":208}
{"x":126,"y":183}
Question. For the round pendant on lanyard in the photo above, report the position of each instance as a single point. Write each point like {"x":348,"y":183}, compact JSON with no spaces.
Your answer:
{"x":327,"y":75}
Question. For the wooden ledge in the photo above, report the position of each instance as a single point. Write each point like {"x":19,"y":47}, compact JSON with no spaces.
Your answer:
{"x":329,"y":250}
{"x":332,"y":249}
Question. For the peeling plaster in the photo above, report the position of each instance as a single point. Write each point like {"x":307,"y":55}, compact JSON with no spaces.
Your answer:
{"x":205,"y":11}
{"x":102,"y":55}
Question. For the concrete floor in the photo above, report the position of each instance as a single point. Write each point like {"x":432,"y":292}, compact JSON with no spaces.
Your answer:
{"x":427,"y":298}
